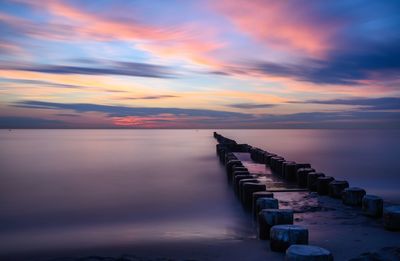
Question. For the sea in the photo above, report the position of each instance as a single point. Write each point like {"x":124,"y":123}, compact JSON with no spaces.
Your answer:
{"x":76,"y":189}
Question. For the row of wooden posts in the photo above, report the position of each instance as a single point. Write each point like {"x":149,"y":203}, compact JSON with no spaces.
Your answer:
{"x":276,"y":224}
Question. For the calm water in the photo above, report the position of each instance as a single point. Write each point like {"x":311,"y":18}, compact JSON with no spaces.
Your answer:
{"x":83,"y":188}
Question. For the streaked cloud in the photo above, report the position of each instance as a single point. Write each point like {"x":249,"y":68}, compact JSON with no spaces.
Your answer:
{"x":29,"y":122}
{"x":152,"y":97}
{"x":110,"y":68}
{"x":120,"y":111}
{"x":251,"y":105}
{"x":384,"y":103}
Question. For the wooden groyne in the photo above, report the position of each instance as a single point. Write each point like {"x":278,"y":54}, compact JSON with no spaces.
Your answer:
{"x":255,"y":187}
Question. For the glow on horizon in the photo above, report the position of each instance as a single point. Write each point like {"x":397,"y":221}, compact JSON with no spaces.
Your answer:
{"x":199,"y":64}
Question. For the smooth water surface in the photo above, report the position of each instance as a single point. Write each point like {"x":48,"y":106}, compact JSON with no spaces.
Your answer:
{"x":84,"y":188}
{"x":65,"y":189}
{"x":366,"y":158}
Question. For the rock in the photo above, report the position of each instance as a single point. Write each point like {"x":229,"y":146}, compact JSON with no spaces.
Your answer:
{"x":336,"y":188}
{"x":302,"y":165}
{"x":312,"y":178}
{"x":302,"y":176}
{"x":231,"y":177}
{"x":273,"y":161}
{"x":268,"y":157}
{"x":257,"y":195}
{"x":268,"y":218}
{"x":391,"y":217}
{"x":353,"y":196}
{"x":241,"y":182}
{"x":237,"y":179}
{"x":247,"y":193}
{"x":289,"y":170}
{"x":372,"y":206}
{"x":323,"y":185}
{"x":239,"y":168}
{"x":237,"y":173}
{"x":266,"y":203}
{"x":283,"y":236}
{"x":307,"y":253}
{"x":278,"y":166}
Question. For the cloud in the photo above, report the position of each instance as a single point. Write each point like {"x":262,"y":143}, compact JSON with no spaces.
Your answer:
{"x":97,"y":68}
{"x":251,"y":105}
{"x":282,"y":25}
{"x":384,"y":103}
{"x":151,"y":97}
{"x":41,"y":83}
{"x":151,"y":117}
{"x":377,"y":62}
{"x":343,"y":119}
{"x":11,"y":122}
{"x":70,"y":22}
{"x":121,"y":111}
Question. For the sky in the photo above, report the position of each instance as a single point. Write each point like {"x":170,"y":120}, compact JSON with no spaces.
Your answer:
{"x":199,"y":64}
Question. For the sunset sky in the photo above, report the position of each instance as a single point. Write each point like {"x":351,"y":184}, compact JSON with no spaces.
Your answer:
{"x":199,"y":64}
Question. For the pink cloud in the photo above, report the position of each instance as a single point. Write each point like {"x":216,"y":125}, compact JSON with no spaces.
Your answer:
{"x":187,"y":41}
{"x":282,"y":25}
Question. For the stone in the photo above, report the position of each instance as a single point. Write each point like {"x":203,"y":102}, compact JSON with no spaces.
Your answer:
{"x":257,"y":195}
{"x":236,"y":182}
{"x":372,"y":206}
{"x":336,"y":188}
{"x":312,"y":178}
{"x":268,"y":218}
{"x":268,"y":158}
{"x":323,"y":185}
{"x":229,"y":164}
{"x":302,"y":175}
{"x":266,"y":203}
{"x":239,"y":168}
{"x":303,"y":165}
{"x":283,"y":236}
{"x":391,"y":218}
{"x":278,"y":166}
{"x":237,"y":173}
{"x":274,"y":162}
{"x":307,"y":253}
{"x":290,"y":171}
{"x":240,"y":188}
{"x":247,"y":193}
{"x":353,"y":196}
